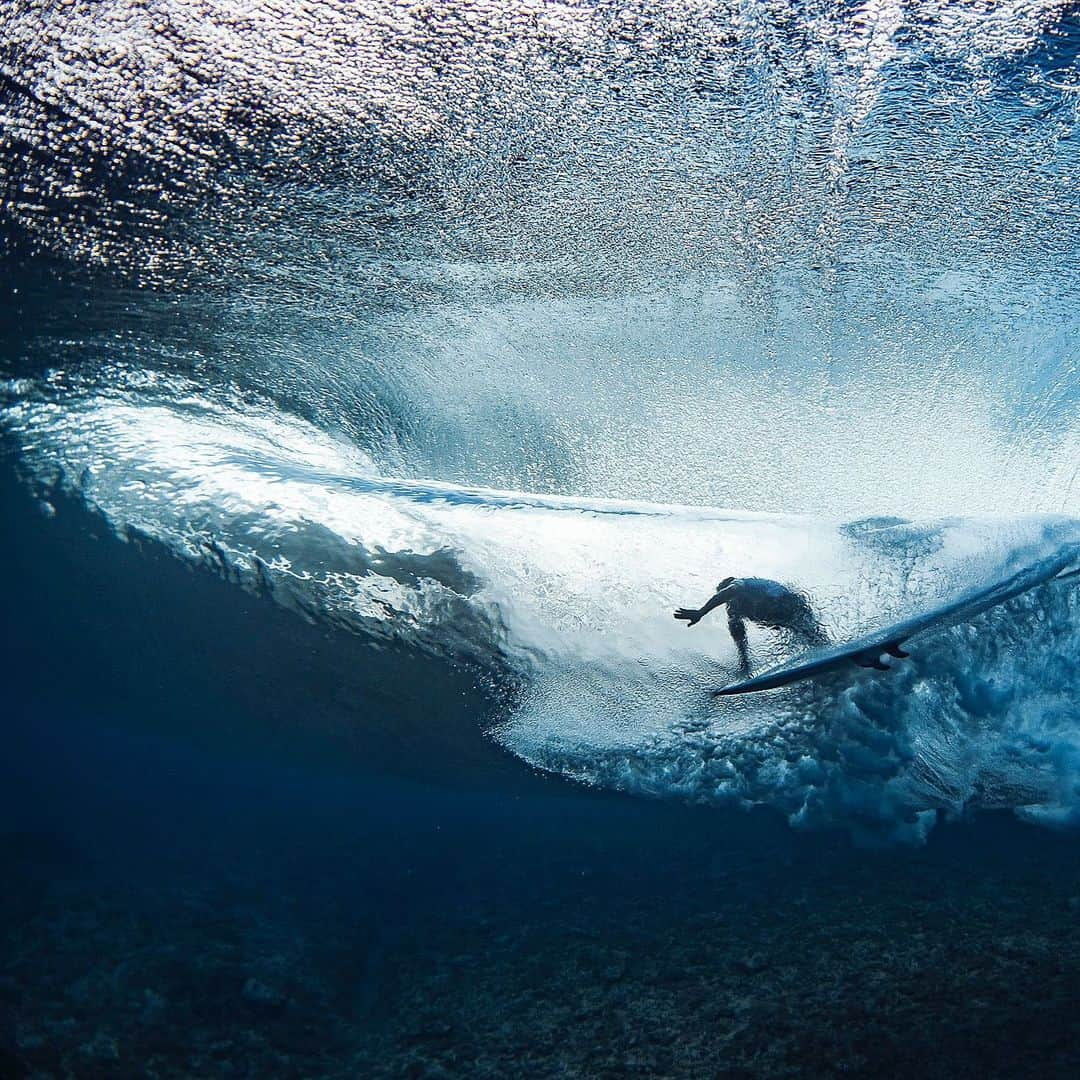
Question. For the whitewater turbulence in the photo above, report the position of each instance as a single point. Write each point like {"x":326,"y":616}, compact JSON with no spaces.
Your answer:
{"x":570,"y":600}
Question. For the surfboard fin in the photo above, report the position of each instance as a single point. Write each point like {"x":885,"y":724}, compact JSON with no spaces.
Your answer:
{"x":871,"y":660}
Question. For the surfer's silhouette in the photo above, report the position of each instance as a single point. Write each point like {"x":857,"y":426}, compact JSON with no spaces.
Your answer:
{"x":767,"y":603}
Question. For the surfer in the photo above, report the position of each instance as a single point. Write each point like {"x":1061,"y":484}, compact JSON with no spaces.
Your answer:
{"x":767,"y":603}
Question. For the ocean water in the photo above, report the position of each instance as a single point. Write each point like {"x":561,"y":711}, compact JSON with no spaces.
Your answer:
{"x":375,"y":381}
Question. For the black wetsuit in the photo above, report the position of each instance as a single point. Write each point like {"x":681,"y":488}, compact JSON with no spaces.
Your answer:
{"x":761,"y":601}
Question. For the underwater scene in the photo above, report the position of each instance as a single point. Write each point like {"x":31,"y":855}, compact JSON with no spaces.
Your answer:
{"x":540,"y":539}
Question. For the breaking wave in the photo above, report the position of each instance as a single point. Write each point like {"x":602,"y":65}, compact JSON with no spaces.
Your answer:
{"x":568,"y":602}
{"x":315,"y":301}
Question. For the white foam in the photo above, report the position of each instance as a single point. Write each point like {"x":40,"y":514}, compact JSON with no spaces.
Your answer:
{"x":574,"y":598}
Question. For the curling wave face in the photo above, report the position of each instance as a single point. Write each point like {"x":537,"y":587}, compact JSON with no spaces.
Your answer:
{"x":772,"y":255}
{"x":569,"y":601}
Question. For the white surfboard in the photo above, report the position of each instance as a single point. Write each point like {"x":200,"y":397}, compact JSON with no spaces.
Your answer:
{"x":869,"y":651}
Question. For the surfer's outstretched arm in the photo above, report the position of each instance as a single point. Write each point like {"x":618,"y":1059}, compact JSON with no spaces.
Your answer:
{"x":693,"y":615}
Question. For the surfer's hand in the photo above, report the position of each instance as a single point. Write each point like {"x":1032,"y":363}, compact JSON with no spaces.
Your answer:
{"x":691,"y":615}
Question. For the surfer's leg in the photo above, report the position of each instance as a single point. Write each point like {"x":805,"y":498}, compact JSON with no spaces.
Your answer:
{"x":738,"y":635}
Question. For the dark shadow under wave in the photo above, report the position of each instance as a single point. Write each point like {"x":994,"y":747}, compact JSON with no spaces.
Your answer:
{"x":147,"y":642}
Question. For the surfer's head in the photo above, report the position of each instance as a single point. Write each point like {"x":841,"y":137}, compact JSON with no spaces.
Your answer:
{"x":725,"y":583}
